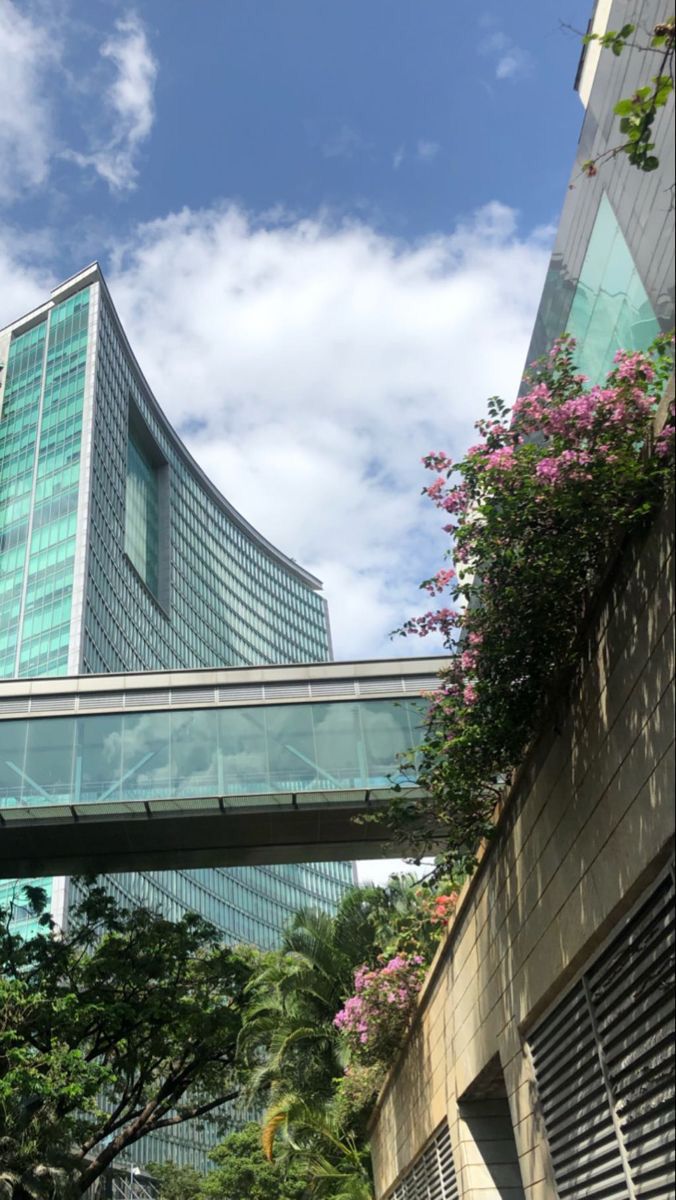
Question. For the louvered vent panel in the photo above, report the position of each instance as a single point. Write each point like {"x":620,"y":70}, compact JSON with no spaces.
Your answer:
{"x":632,"y":993}
{"x":379,"y":687}
{"x":14,"y":706}
{"x":450,"y":1190}
{"x":235,"y":692}
{"x":604,"y":1062}
{"x":193,"y":695}
{"x":432,"y":1176}
{"x":286,"y":691}
{"x":92,"y":700}
{"x":333,"y":687}
{"x":52,"y":703}
{"x":416,"y":684}
{"x":155,"y":699}
{"x":574,"y":1102}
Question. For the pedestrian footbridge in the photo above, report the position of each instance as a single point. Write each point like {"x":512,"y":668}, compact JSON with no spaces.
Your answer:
{"x":255,"y":765}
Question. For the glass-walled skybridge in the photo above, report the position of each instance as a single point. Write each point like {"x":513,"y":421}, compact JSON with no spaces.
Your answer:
{"x":204,"y":768}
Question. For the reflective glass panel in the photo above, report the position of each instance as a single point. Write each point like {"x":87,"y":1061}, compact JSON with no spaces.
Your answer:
{"x":610,"y":309}
{"x":205,"y":752}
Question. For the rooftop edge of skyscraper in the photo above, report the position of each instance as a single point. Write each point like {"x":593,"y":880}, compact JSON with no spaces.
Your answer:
{"x":93,"y":273}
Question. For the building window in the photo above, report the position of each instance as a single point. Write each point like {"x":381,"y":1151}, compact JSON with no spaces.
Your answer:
{"x":145,"y":527}
{"x":604,"y":1064}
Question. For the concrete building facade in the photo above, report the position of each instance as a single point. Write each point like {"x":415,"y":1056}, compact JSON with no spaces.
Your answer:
{"x":542,"y":1049}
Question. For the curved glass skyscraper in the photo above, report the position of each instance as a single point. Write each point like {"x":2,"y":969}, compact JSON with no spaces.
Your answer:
{"x":118,"y":554}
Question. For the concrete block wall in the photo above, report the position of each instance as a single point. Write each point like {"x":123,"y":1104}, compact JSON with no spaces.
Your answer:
{"x":588,"y":824}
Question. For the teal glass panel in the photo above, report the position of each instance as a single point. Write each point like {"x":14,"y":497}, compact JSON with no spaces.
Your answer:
{"x":194,"y":754}
{"x":98,"y":756}
{"x":47,"y":773}
{"x":610,"y":309}
{"x":18,"y":438}
{"x":40,"y":435}
{"x":243,"y":752}
{"x":130,"y":757}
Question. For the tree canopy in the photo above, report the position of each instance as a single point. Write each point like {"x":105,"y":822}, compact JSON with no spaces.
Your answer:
{"x":122,"y":1025}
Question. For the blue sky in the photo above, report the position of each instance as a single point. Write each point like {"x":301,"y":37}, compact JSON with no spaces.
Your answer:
{"x":326,"y":227}
{"x":406,"y":114}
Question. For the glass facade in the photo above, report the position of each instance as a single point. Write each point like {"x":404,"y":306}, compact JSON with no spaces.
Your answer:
{"x":40,"y":436}
{"x":159,"y":572}
{"x":227,"y":601}
{"x":606,"y":307}
{"x":116,"y":758}
{"x":610,"y":309}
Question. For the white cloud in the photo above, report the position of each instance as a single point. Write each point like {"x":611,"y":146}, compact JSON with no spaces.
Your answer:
{"x":26,"y":55}
{"x":321,"y":362}
{"x":316,"y":363}
{"x":129,"y":102}
{"x":510,"y":60}
{"x":343,"y":143}
{"x":426,"y":151}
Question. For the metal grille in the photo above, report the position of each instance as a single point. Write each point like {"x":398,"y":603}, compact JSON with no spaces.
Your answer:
{"x":90,"y":700}
{"x":131,"y":1189}
{"x":65,"y":703}
{"x":420,"y":683}
{"x":379,"y":687}
{"x":192,"y":695}
{"x":159,"y":696}
{"x":432,"y":1176}
{"x":604,"y":1062}
{"x":333,"y":687}
{"x":245,"y":691}
{"x":287,"y":691}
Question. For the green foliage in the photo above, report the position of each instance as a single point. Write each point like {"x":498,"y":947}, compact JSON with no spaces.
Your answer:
{"x":126,"y":1004}
{"x":540,"y":508}
{"x":337,"y":1162}
{"x":611,"y":40}
{"x":242,"y":1170}
{"x":410,"y":917}
{"x":296,"y":1059}
{"x":176,"y":1183}
{"x":637,"y":113}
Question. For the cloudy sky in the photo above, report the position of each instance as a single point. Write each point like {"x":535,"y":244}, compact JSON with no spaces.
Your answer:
{"x":325,"y":226}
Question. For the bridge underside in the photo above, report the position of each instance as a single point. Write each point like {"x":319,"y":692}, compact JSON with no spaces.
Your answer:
{"x":159,"y":835}
{"x":206,"y":769}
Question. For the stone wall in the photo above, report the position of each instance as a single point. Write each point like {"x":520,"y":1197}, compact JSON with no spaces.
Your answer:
{"x":587,"y":826}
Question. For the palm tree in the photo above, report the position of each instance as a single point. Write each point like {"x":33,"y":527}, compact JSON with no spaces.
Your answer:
{"x":338,"y":1166}
{"x":288,"y":1035}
